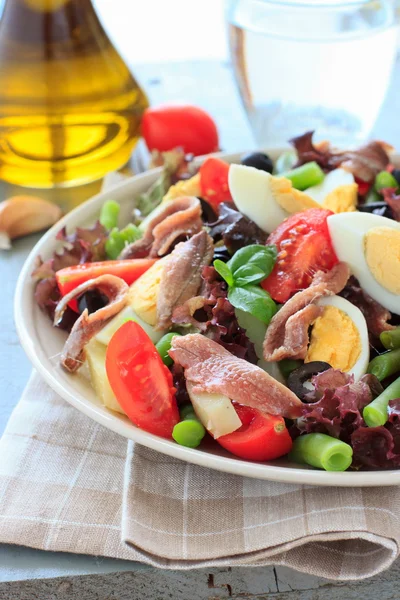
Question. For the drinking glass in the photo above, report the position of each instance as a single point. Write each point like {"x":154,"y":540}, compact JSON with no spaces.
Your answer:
{"x":323,"y":65}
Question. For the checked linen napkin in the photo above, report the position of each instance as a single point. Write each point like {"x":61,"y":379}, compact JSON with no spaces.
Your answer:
{"x":68,"y":484}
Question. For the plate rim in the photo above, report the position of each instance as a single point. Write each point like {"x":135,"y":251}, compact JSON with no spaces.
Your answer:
{"x":263,"y":471}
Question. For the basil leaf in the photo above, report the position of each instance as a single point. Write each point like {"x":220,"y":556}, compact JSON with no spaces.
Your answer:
{"x":254,"y":300}
{"x":248,"y":274}
{"x":263,"y":257}
{"x":223,"y":270}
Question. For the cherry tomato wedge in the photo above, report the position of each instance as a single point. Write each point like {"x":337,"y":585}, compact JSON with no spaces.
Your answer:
{"x":261,"y":437}
{"x":214,"y":181}
{"x":189,"y":127}
{"x":363,"y":186}
{"x":140,"y":381}
{"x":129,"y":270}
{"x":304,"y":247}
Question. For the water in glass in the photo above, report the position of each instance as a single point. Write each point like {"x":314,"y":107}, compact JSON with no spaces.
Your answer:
{"x":312,"y":65}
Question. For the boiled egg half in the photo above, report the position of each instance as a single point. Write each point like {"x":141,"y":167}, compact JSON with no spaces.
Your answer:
{"x":370,"y":245}
{"x":338,"y":192}
{"x":339,"y":336}
{"x":265,"y":199}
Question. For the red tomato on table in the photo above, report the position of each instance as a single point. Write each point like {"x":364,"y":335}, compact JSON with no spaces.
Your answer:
{"x":189,"y":127}
{"x":304,"y":247}
{"x":261,"y":437}
{"x":214,"y":181}
{"x":129,"y":270}
{"x":141,"y":382}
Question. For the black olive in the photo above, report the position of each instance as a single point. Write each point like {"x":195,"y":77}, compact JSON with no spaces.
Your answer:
{"x":298,"y":377}
{"x":221,"y":253}
{"x":376,"y":208}
{"x":396,"y":175}
{"x":92,"y":300}
{"x":258,"y":160}
{"x":208,"y":214}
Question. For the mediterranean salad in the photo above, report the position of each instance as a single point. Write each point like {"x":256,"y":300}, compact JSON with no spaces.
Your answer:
{"x":257,"y":304}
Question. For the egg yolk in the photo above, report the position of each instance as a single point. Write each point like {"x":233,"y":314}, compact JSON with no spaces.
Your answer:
{"x":143,"y":293}
{"x":342,"y":199}
{"x":290,"y":199}
{"x":335,"y":340}
{"x":382,"y":253}
{"x":186,"y":187}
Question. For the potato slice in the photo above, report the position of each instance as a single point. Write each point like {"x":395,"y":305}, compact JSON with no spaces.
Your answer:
{"x":215,"y":411}
{"x":96,"y":359}
{"x":104,"y":336}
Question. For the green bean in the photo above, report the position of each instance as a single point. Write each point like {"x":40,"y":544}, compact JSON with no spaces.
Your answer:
{"x":385,"y":365}
{"x":118,"y":239}
{"x":285,"y":162}
{"x":384,"y":179}
{"x":372,"y":196}
{"x":287,"y":365}
{"x":109,"y":214}
{"x":305,"y":176}
{"x":391,"y":339}
{"x":188,"y":433}
{"x":322,"y":451}
{"x":187,"y":412}
{"x":376,"y":413}
{"x":164,"y":345}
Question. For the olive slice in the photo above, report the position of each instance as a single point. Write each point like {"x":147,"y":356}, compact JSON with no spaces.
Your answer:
{"x":301,"y":375}
{"x":91,"y":300}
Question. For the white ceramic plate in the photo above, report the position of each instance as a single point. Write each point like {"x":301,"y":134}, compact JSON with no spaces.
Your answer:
{"x":42,"y":343}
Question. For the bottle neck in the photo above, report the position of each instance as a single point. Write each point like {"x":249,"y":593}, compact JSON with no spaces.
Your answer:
{"x":49,"y":21}
{"x":44,"y":6}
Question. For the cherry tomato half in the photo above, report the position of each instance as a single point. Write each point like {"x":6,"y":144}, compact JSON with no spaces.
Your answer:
{"x":304,"y":247}
{"x":140,"y":381}
{"x":189,"y":127}
{"x":363,"y":186}
{"x":261,"y":437}
{"x":214,"y":181}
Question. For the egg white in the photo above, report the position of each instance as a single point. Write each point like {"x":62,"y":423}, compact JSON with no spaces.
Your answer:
{"x":250,"y":189}
{"x":347,"y":231}
{"x":360,"y":367}
{"x":333,"y":180}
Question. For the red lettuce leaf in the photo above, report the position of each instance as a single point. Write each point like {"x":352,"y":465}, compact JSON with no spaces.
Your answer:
{"x":339,"y":402}
{"x":84,"y":245}
{"x":307,"y":152}
{"x":92,"y":241}
{"x":372,"y":448}
{"x":375,"y":315}
{"x":47,"y":296}
{"x":214,"y":315}
{"x":378,"y":447}
{"x":337,"y":411}
{"x":236,"y":230}
{"x":228,"y":332}
{"x":178,"y":377}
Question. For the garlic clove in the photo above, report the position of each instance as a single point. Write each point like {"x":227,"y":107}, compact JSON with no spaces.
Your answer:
{"x":22,"y":215}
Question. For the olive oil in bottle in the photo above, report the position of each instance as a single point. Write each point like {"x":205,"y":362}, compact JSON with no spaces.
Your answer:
{"x":70,"y":109}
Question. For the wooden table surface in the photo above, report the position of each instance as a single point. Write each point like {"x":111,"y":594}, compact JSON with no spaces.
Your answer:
{"x":27,"y":574}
